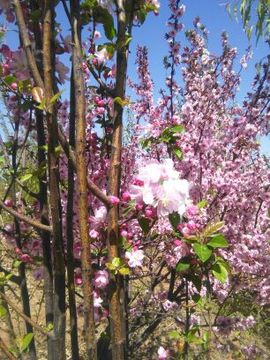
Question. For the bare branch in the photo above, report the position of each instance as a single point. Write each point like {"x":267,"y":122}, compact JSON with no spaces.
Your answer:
{"x":27,"y":44}
{"x":23,"y":316}
{"x":26,"y":219}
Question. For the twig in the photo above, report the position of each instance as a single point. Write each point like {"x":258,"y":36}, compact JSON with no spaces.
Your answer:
{"x":27,"y":44}
{"x":23,"y":316}
{"x":95,"y":190}
{"x":26,"y":219}
{"x":6,"y":351}
{"x":104,"y":87}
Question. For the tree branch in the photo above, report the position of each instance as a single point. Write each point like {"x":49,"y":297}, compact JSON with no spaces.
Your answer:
{"x":104,"y":87}
{"x":27,"y":44}
{"x":23,"y":316}
{"x":5,"y":350}
{"x":26,"y":219}
{"x":95,"y":190}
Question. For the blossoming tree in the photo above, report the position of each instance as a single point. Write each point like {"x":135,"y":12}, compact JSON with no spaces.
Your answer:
{"x":157,"y":226}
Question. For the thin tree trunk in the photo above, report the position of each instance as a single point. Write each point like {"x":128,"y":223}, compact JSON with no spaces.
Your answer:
{"x":89,"y":324}
{"x":45,"y":236}
{"x":69,"y":233}
{"x":118,"y":337}
{"x":59,"y":323}
{"x":43,"y":200}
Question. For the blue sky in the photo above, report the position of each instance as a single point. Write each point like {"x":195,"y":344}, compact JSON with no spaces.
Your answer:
{"x":216,"y":19}
{"x":212,"y":14}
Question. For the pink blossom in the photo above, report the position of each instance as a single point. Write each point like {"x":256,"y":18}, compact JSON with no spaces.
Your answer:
{"x":124,"y":233}
{"x":26,"y":258}
{"x":135,"y":258}
{"x":192,"y":210}
{"x":97,"y":300}
{"x":8,"y":202}
{"x":100,"y":214}
{"x":126,"y":196}
{"x":162,"y":353}
{"x":78,"y":277}
{"x":114,"y":200}
{"x":102,"y":56}
{"x":14,"y":86}
{"x":101,"y":279}
{"x":169,"y":305}
{"x":162,"y":188}
{"x":93,"y":234}
{"x":97,"y":34}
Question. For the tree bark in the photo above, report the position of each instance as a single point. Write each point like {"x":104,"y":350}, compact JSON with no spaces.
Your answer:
{"x":69,"y":234}
{"x":59,"y":321}
{"x":82,"y":186}
{"x":116,"y":304}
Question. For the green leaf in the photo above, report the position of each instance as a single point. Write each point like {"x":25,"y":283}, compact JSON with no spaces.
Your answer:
{"x":16,"y":264}
{"x":218,"y":241}
{"x":220,"y":272}
{"x":202,"y":251}
{"x":25,"y":342}
{"x":124,"y":271}
{"x":110,"y":266}
{"x":202,"y":204}
{"x":196,"y":298}
{"x":3,"y":311}
{"x":49,"y":327}
{"x":42,"y":105}
{"x":174,"y":219}
{"x":26,"y":177}
{"x":116,"y":262}
{"x":206,"y":337}
{"x":55,"y":98}
{"x":9,"y":79}
{"x":145,"y":143}
{"x":212,"y":228}
{"x":88,"y":4}
{"x":178,"y":153}
{"x":177,"y":129}
{"x":183,"y":264}
{"x":144,"y":224}
{"x":36,"y":15}
{"x":192,"y":338}
{"x":141,"y":14}
{"x":174,"y":335}
{"x":103,"y":16}
{"x":120,"y":101}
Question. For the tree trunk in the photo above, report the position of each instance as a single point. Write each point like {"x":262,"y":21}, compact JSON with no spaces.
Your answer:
{"x":59,"y":322}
